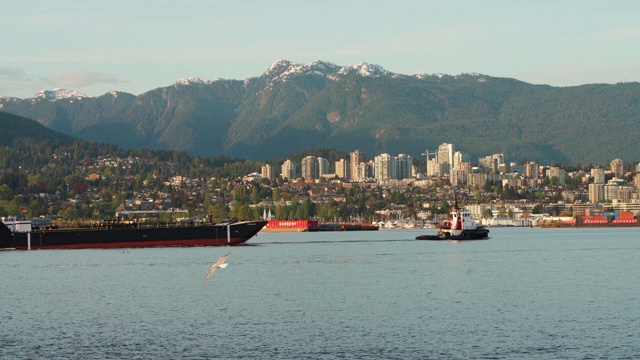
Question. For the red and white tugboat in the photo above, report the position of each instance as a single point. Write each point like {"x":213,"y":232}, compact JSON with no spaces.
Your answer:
{"x":459,"y":226}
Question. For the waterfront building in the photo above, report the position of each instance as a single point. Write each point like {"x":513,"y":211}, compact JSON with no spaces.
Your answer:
{"x":476,"y":210}
{"x":624,"y":206}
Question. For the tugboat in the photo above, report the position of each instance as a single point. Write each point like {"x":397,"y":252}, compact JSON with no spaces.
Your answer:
{"x":459,"y":226}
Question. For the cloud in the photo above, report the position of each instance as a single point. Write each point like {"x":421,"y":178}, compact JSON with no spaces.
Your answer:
{"x":78,"y":79}
{"x":12,"y":74}
{"x":17,"y":82}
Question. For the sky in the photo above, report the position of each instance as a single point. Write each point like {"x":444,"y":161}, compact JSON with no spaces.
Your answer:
{"x":138,"y":45}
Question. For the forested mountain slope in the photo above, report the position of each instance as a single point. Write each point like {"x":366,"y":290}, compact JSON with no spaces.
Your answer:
{"x":292,"y":107}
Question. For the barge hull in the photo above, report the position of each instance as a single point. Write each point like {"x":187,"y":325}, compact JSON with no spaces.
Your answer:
{"x":130,"y":237}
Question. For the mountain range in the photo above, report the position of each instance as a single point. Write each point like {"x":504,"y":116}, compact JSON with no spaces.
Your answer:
{"x":292,"y":107}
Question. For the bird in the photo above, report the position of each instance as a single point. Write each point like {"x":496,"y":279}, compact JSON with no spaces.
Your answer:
{"x":220,"y":264}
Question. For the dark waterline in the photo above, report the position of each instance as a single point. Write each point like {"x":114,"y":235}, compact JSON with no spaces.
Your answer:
{"x":524,"y":293}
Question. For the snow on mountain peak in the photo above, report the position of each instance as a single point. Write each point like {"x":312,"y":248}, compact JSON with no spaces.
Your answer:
{"x":428,"y":76}
{"x":282,"y":69}
{"x":365,"y":69}
{"x":57,"y":94}
{"x":192,"y":81}
{"x":279,"y":64}
{"x":317,"y":67}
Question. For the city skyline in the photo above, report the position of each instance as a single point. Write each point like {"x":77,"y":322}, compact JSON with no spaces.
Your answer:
{"x":447,"y":162}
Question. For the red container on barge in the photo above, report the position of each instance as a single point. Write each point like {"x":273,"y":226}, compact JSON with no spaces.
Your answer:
{"x":291,"y":226}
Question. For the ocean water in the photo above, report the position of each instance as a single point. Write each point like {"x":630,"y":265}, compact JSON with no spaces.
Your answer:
{"x":522,"y":294}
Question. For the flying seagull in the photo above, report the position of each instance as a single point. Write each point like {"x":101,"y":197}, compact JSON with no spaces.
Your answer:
{"x":220,"y":264}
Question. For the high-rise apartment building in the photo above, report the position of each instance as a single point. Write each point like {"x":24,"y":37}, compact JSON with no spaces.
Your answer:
{"x":404,"y":167}
{"x":617,"y":167}
{"x":343,"y":170}
{"x":612,"y":189}
{"x":289,"y":170}
{"x":558,"y":173}
{"x":457,"y":176}
{"x":323,"y":166}
{"x":355,"y":158}
{"x":445,"y":159}
{"x":432,"y":167}
{"x":458,"y":158}
{"x":596,"y":192}
{"x":382,"y":167}
{"x":309,"y":168}
{"x":476,"y":180}
{"x":598,"y":175}
{"x":364,"y":171}
{"x":531,"y":170}
{"x":267,"y":172}
{"x":494,"y":163}
{"x":388,"y":167}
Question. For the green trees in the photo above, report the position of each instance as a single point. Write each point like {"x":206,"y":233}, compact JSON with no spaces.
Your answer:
{"x":219,"y":211}
{"x":91,"y":181}
{"x":538,"y":209}
{"x":296,"y":210}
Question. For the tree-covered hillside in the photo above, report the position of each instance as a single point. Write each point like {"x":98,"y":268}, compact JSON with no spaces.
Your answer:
{"x":292,"y":107}
{"x":13,"y":128}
